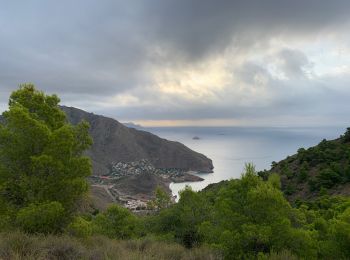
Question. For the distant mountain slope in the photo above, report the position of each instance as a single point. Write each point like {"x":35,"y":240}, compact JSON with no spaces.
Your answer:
{"x":141,"y":186}
{"x":324,"y":168}
{"x":114,"y":142}
{"x":133,"y":125}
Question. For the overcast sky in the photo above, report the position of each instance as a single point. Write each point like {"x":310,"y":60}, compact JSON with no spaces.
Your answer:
{"x":184,"y":62}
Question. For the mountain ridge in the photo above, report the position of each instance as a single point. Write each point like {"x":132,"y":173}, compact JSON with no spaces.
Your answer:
{"x":114,"y":142}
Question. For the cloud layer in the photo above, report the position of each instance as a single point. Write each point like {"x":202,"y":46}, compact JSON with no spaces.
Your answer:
{"x":187,"y":62}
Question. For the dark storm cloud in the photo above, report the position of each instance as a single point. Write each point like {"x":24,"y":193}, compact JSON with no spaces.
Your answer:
{"x":90,"y":50}
{"x":199,"y":27}
{"x":66,"y":46}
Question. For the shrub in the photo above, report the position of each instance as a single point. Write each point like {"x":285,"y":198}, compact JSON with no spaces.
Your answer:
{"x":116,"y":222}
{"x":328,"y":178}
{"x":302,"y":176}
{"x":346,"y":136}
{"x":17,"y":245}
{"x":275,"y":180}
{"x":80,"y":227}
{"x":290,"y":189}
{"x":42,"y":218}
{"x":284,"y":254}
{"x":313,"y":185}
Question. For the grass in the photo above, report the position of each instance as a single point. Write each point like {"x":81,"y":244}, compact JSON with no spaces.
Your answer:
{"x":18,"y":245}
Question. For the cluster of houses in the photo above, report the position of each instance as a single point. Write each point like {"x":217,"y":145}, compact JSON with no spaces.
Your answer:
{"x":125,"y":169}
{"x":135,"y":205}
{"x":122,"y":169}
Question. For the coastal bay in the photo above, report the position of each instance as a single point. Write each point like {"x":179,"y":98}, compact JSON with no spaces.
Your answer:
{"x":231,"y":147}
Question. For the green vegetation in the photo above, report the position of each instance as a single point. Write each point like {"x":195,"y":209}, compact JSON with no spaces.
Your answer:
{"x":161,"y":199}
{"x":18,"y":245}
{"x":324,"y":168}
{"x":116,"y":222}
{"x":250,"y":218}
{"x":42,"y":218}
{"x":42,"y":170}
{"x":42,"y":183}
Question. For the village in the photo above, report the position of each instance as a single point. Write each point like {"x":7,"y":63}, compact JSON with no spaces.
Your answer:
{"x":121,"y":172}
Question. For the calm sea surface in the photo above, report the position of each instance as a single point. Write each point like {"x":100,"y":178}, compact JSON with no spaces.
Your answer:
{"x":231,"y":147}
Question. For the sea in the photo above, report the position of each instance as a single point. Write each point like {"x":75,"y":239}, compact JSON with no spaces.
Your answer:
{"x":231,"y":147}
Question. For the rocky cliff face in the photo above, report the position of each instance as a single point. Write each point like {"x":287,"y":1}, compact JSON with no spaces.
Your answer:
{"x":114,"y":142}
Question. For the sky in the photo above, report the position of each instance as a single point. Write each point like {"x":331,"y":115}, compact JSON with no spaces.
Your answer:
{"x":184,"y":62}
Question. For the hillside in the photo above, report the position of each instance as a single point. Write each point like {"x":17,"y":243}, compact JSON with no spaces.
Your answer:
{"x":46,"y":213}
{"x":322,"y":169}
{"x":141,"y":186}
{"x":114,"y":142}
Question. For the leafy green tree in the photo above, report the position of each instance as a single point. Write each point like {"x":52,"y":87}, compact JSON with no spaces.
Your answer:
{"x":290,"y":189}
{"x":41,"y":155}
{"x":249,"y":218}
{"x":287,"y":171}
{"x":116,"y":222}
{"x":192,"y":210}
{"x":340,"y":232}
{"x":182,"y":220}
{"x":303,"y":174}
{"x":162,"y":199}
{"x":346,"y":136}
{"x":313,"y":184}
{"x":328,"y":178}
{"x":302,"y":154}
{"x":252,"y":217}
{"x":42,"y":218}
{"x":273,"y":164}
{"x":275,"y":180}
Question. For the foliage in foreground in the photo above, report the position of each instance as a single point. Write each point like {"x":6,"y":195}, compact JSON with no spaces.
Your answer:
{"x":42,"y":179}
{"x":249,"y":218}
{"x":22,"y":246}
{"x":244,"y":219}
{"x":42,"y":169}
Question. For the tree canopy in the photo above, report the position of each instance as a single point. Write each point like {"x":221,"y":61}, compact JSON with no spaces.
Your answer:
{"x":41,"y":156}
{"x":250,"y":218}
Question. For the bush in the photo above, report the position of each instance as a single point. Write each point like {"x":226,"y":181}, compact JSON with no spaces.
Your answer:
{"x":5,"y":222}
{"x":43,"y":218}
{"x":285,"y":255}
{"x":17,"y":245}
{"x":275,"y":180}
{"x":328,"y":178}
{"x":116,"y":222}
{"x":303,"y":174}
{"x":346,"y":136}
{"x":290,"y":189}
{"x":80,"y":227}
{"x":286,"y":171}
{"x":313,"y":185}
